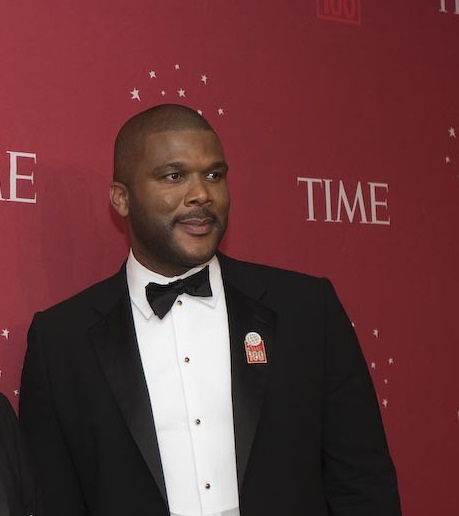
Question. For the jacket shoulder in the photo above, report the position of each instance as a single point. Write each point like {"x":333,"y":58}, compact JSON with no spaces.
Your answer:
{"x":265,"y":274}
{"x":99,"y":297}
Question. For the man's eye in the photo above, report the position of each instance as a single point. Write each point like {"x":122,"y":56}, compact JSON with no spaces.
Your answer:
{"x":175,"y":176}
{"x":214,"y":176}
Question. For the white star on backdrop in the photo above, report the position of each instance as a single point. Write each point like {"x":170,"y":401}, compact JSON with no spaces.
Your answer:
{"x":220,"y":111}
{"x":385,"y":381}
{"x":16,"y":392}
{"x":177,"y":67}
{"x":447,"y":159}
{"x":390,"y":361}
{"x":385,"y":402}
{"x":200,"y":111}
{"x":5,"y":333}
{"x":181,"y":92}
{"x":152,"y":74}
{"x":163,"y":93}
{"x":135,"y":94}
{"x":373,"y":365}
{"x":204,"y":79}
{"x":452,"y":132}
{"x":376,"y":332}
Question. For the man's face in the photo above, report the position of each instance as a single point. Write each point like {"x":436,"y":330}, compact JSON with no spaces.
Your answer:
{"x":178,"y":200}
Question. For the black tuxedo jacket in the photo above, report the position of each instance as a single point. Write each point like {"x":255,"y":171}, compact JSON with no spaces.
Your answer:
{"x":18,"y":496}
{"x":309,"y":438}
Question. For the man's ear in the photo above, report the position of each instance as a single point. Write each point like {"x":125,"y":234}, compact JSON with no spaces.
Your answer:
{"x":119,"y":198}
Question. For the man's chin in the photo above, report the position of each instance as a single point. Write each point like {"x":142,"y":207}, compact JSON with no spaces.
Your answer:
{"x":194,"y":260}
{"x":194,"y":253}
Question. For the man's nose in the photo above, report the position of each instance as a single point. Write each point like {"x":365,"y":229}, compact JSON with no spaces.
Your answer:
{"x":198,"y":192}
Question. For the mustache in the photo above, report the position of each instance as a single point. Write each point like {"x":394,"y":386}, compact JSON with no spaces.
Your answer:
{"x":196,"y":213}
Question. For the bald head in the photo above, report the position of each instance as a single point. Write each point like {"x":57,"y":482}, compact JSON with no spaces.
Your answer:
{"x":130,"y":142}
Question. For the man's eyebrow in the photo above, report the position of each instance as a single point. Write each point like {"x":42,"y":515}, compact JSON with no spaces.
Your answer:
{"x":222,"y":164}
{"x":179,"y":165}
{"x":174,"y":165}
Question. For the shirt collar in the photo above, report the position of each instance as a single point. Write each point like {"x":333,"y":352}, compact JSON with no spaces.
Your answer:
{"x":139,"y":276}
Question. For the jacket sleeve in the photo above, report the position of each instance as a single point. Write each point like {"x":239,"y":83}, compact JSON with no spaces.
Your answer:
{"x":359,"y":475}
{"x":18,"y":488}
{"x":56,"y":473}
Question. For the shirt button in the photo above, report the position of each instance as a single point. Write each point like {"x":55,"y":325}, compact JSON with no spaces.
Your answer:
{"x":207,"y":485}
{"x":197,"y":421}
{"x":179,"y":302}
{"x":186,"y":360}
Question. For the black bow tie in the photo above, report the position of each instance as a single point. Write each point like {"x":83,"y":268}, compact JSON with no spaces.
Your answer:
{"x":162,"y":297}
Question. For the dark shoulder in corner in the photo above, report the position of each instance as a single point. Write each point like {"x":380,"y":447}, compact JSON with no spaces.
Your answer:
{"x":103,"y":293}
{"x":233,"y":269}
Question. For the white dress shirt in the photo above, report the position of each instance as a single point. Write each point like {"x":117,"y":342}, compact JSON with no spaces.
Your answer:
{"x":187,"y":365}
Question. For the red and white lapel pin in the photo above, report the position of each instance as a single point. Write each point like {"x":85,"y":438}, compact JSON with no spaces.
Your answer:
{"x":255,"y":348}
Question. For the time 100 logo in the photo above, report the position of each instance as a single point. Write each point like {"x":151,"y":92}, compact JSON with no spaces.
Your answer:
{"x":346,"y":11}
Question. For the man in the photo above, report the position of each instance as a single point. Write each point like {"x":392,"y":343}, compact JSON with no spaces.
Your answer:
{"x":240,"y":389}
{"x":18,"y":495}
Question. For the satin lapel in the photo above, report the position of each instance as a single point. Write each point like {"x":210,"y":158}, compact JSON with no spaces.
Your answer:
{"x":249,"y":381}
{"x":116,"y":346}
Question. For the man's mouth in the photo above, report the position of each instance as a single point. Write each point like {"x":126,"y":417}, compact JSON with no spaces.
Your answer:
{"x":199,"y":222}
{"x":197,"y":226}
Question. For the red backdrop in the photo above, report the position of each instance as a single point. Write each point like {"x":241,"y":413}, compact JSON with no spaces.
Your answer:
{"x":340,"y":120}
